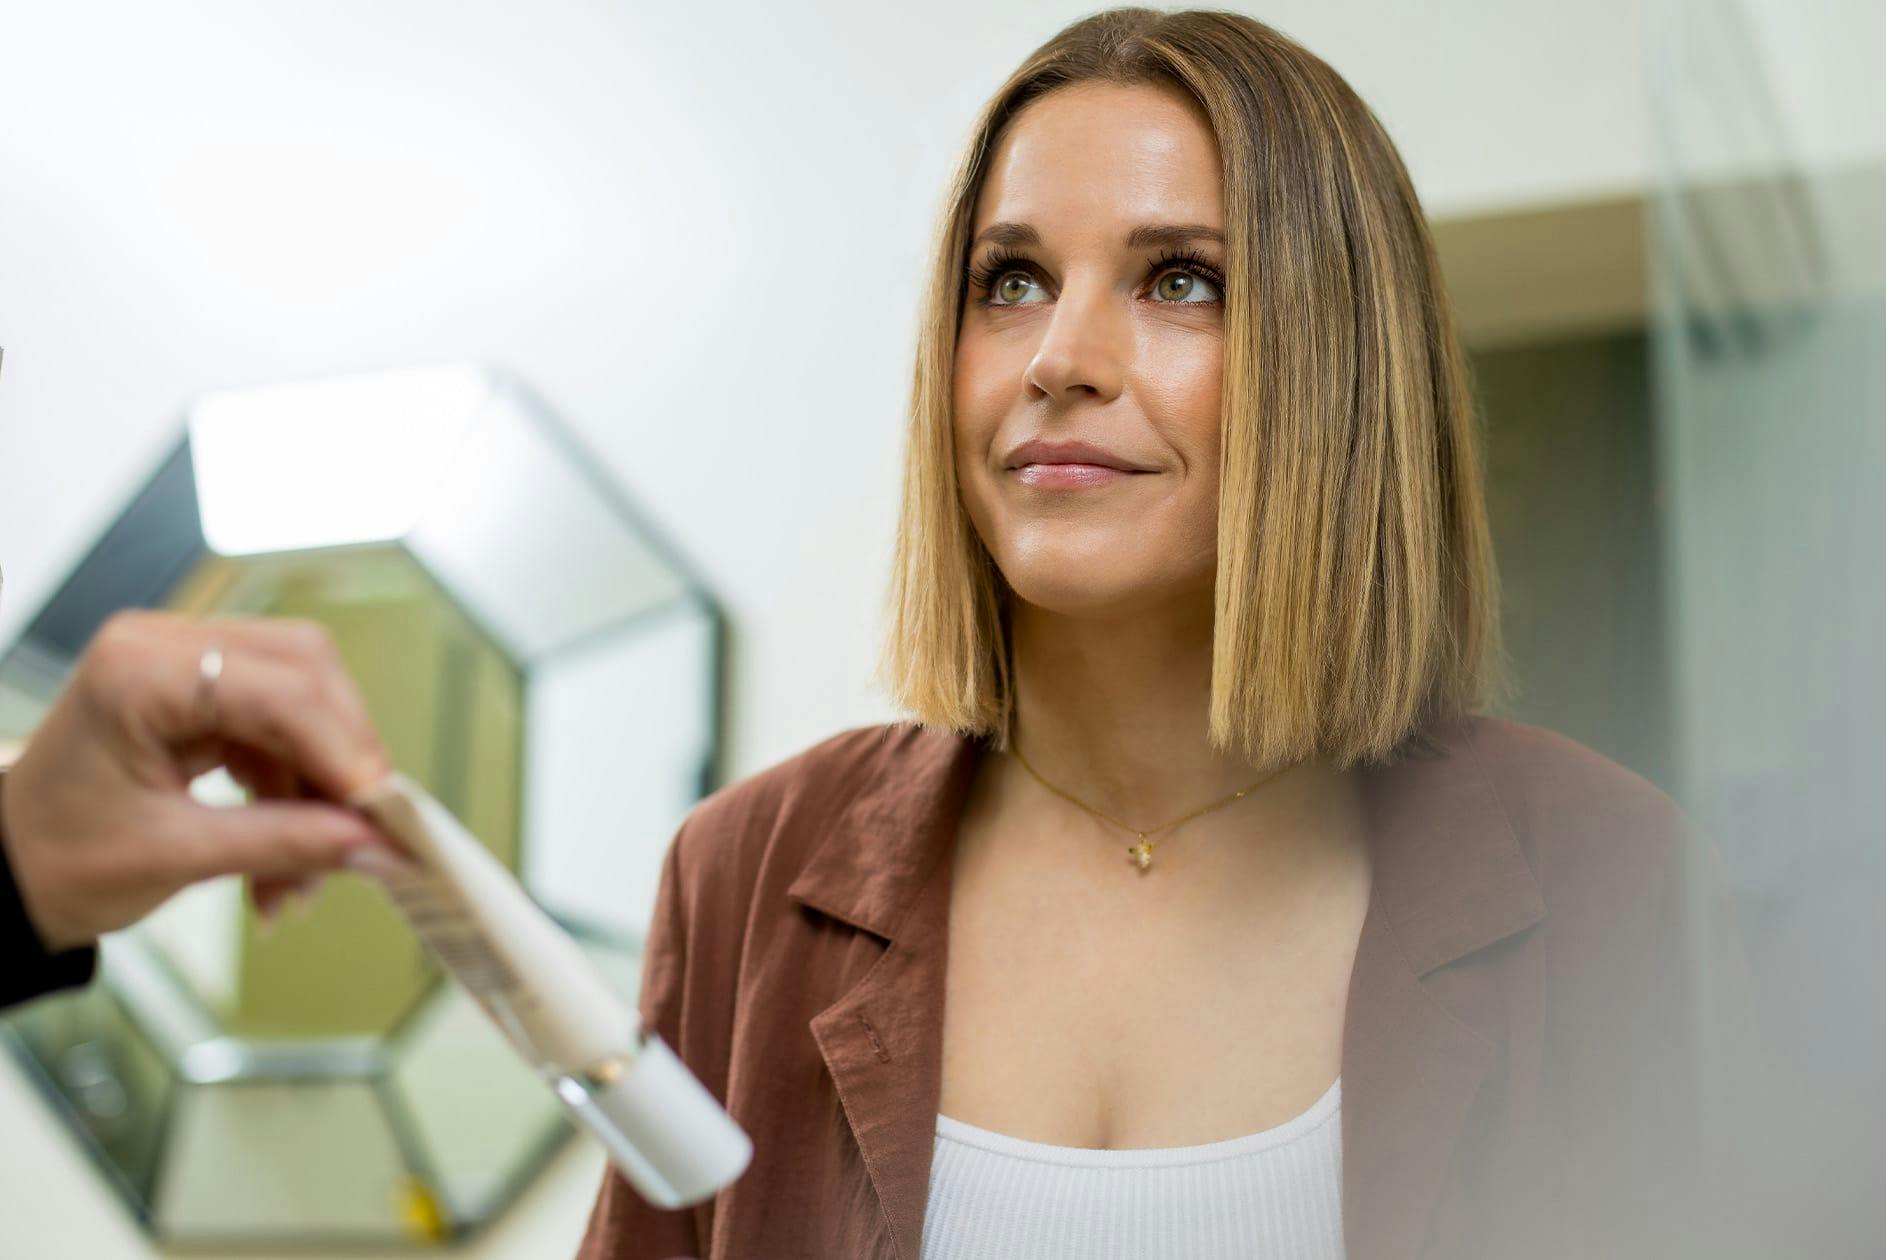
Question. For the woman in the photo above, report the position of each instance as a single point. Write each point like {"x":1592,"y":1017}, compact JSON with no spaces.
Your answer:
{"x":1195,"y":912}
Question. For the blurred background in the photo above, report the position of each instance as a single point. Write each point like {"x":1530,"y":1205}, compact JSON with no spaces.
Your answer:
{"x":697,"y":234}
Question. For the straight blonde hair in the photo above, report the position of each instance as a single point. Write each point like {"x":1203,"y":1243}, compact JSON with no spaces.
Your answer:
{"x":1356,"y":596}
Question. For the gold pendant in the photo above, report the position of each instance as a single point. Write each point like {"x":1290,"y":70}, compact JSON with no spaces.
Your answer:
{"x":1141,"y":853}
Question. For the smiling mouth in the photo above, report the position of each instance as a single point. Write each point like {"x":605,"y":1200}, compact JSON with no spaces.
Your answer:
{"x":1071,"y":476}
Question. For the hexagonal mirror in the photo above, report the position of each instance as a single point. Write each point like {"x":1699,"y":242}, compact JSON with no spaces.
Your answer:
{"x":532,"y":651}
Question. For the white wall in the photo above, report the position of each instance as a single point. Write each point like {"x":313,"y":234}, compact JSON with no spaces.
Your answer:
{"x":1824,"y":59}
{"x":697,"y":229}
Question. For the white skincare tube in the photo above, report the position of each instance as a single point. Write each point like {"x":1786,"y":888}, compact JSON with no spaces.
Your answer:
{"x":664,"y":1130}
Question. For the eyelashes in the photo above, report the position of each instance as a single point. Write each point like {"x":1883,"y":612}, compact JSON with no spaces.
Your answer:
{"x":1002,"y":261}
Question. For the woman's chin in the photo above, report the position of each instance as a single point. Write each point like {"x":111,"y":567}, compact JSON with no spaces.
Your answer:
{"x":1083,"y":588}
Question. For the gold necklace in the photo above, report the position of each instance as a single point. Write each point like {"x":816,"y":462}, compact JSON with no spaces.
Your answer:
{"x":1142,"y":853}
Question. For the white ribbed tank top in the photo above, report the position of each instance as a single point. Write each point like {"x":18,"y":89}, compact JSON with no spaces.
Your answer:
{"x":1274,"y":1195}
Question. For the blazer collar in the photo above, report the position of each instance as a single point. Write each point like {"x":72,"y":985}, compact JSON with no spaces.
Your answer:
{"x":871,"y":863}
{"x":1449,"y":878}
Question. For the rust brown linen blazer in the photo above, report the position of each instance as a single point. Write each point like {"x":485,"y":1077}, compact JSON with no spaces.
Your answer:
{"x":1518,"y":1050}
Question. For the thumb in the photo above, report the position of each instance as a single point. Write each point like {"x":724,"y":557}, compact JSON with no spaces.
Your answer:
{"x":271,"y":839}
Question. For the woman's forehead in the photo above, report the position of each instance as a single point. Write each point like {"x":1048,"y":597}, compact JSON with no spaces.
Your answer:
{"x":1102,"y":158}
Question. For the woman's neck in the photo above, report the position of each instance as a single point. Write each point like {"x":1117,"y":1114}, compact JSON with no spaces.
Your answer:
{"x":1115,"y":712}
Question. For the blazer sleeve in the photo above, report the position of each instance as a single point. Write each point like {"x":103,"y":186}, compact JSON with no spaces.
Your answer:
{"x":27,"y":968}
{"x":1663,"y":1050}
{"x":622,"y":1224}
{"x":1712,"y":1016}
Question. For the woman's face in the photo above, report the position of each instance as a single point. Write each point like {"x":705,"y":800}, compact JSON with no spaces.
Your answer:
{"x":1081,"y":334}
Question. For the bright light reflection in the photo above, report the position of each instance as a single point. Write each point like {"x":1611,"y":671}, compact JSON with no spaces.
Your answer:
{"x":327,"y":463}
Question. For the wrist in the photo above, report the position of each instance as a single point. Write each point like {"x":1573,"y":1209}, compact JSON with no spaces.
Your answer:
{"x":28,"y":882}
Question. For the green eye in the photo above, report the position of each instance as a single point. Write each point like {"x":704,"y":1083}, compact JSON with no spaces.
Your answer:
{"x":1013,"y":286}
{"x":1187,"y":284}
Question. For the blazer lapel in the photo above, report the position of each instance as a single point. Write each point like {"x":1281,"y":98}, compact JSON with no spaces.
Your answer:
{"x":885,"y":869}
{"x":1449,"y":877}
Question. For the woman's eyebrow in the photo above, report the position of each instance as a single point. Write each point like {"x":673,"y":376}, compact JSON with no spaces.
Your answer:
{"x":1145,"y":236}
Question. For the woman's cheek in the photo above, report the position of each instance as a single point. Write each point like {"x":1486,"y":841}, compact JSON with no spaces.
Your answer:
{"x":1184,"y":393}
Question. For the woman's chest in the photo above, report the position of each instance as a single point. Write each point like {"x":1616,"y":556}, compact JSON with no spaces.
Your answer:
{"x":1079,"y":1013}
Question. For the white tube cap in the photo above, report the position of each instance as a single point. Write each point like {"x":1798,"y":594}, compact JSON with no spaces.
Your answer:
{"x":662,"y":1128}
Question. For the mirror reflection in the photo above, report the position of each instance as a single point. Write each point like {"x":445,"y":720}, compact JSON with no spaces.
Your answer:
{"x":500,"y":607}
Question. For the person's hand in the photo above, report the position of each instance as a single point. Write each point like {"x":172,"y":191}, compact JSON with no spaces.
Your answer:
{"x":99,"y":824}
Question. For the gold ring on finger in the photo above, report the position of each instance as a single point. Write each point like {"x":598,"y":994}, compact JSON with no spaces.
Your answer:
{"x":209,"y":669}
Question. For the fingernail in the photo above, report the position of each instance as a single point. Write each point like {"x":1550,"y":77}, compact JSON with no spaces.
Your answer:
{"x":372,"y":860}
{"x":301,"y":897}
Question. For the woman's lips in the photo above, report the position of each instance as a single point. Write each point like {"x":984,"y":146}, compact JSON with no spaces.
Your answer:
{"x":1070,"y":476}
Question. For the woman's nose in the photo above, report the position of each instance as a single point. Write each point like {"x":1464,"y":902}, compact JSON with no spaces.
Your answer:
{"x":1083,"y":345}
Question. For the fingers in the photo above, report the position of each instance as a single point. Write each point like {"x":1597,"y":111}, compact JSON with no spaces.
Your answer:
{"x":295,"y":641}
{"x":263,"y":775}
{"x":269,"y":779}
{"x":271,"y":841}
{"x":285,"y":710}
{"x":268,"y":893}
{"x":283,"y":689}
{"x":373,"y":861}
{"x":383,"y":863}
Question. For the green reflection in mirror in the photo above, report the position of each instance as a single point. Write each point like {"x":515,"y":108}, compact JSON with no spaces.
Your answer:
{"x":448,"y":705}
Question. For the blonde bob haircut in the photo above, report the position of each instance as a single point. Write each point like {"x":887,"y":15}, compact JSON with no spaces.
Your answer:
{"x":1356,"y":597}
